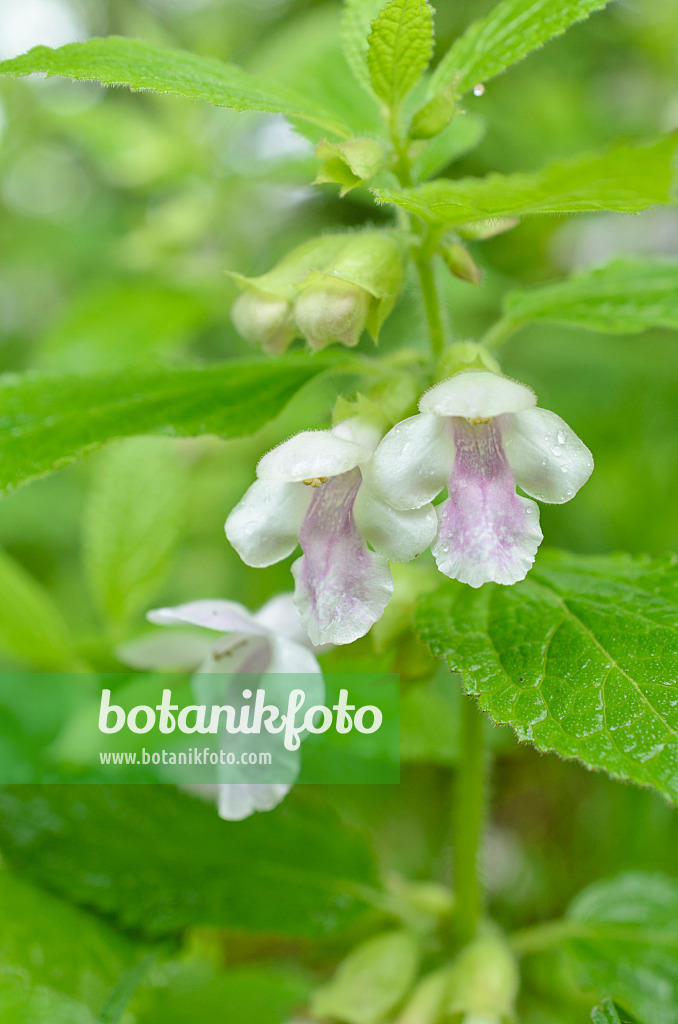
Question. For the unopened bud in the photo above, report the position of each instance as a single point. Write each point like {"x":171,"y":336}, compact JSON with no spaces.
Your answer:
{"x":465,"y":355}
{"x":356,"y":289}
{"x":328,"y":289}
{"x":460,"y":262}
{"x":484,"y":981}
{"x":264,"y":320}
{"x":372,"y":980}
{"x":435,"y":115}
{"x":349,"y":164}
{"x":329,"y":309}
{"x":427,"y":1003}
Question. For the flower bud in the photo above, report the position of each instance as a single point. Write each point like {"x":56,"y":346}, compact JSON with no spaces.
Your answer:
{"x":371,"y":981}
{"x":262,"y":314}
{"x":484,"y":981}
{"x":460,"y":262}
{"x":328,"y":289}
{"x":329,"y":309}
{"x":264,"y":320}
{"x":349,"y":164}
{"x":356,"y":290}
{"x":465,"y":355}
{"x":427,"y":1003}
{"x":435,"y":115}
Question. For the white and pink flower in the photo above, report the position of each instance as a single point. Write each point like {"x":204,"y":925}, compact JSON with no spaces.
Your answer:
{"x":270,"y":642}
{"x":316,"y":490}
{"x":479,"y":435}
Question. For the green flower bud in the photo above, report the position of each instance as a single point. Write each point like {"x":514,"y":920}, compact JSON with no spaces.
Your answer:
{"x":371,"y":981}
{"x":484,"y":981}
{"x":264,"y":320}
{"x":435,"y":115}
{"x":427,"y":1003}
{"x":328,"y":289}
{"x":262,"y":314}
{"x":355,"y":290}
{"x":460,"y":262}
{"x":465,"y":355}
{"x":349,"y":164}
{"x":483,"y":229}
{"x":329,"y":309}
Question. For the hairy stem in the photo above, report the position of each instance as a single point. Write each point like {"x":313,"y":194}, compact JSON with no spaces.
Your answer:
{"x":424,"y":258}
{"x":432,"y":305}
{"x":469,"y":814}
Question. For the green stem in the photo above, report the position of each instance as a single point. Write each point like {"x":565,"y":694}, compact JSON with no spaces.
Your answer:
{"x":432,"y":306}
{"x":500,"y":332}
{"x":469,"y":813}
{"x":424,"y":258}
{"x":542,"y":936}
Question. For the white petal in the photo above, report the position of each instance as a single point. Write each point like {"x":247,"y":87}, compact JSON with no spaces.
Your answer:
{"x":397,"y":535}
{"x":548,"y":460}
{"x":240,"y":800}
{"x":486,"y":532}
{"x":172,"y":649}
{"x":311,"y":455}
{"x":477,"y":394}
{"x":281,"y":617}
{"x":264,"y":525}
{"x":293,"y":658}
{"x":224,"y":616}
{"x":342,"y":588}
{"x":412,"y":463}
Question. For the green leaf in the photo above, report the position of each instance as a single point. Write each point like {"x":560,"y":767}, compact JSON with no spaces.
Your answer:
{"x":627,"y":178}
{"x":116,"y":60}
{"x":59,"y":963}
{"x":400,"y":48}
{"x":505,"y":36}
{"x":581,"y":658}
{"x":47,"y":422}
{"x":256,"y":995}
{"x":32,"y":629}
{"x":356,"y":21}
{"x":609,"y":1013}
{"x":461,"y":135}
{"x":111,"y":325}
{"x":625,"y":945}
{"x":294,"y":871}
{"x":625,"y":297}
{"x":133,"y":523}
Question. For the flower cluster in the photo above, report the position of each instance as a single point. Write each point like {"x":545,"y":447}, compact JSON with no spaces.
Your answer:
{"x":354,"y":502}
{"x":327,"y":290}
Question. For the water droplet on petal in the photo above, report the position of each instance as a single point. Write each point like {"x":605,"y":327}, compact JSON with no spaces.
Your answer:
{"x":561,"y":437}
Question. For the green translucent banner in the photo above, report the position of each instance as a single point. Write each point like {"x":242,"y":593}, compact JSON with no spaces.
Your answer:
{"x":207,"y":729}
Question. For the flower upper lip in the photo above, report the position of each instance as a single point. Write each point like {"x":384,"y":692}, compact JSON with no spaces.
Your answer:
{"x":477,"y":394}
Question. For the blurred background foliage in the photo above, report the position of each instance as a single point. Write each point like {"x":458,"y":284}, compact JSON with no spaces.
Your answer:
{"x":121,"y":214}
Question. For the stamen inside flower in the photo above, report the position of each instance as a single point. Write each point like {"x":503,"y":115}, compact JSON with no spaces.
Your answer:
{"x":315,"y":481}
{"x":475,"y":421}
